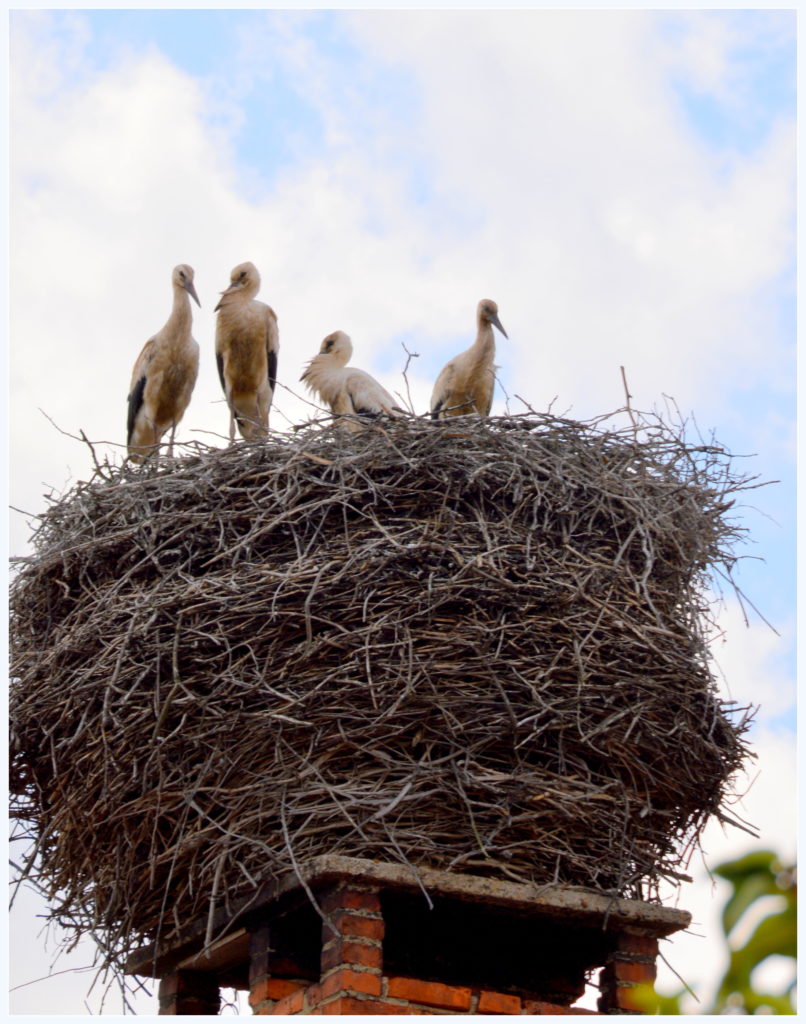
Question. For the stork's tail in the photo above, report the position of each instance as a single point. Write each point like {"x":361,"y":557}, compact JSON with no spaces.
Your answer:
{"x":252,"y":424}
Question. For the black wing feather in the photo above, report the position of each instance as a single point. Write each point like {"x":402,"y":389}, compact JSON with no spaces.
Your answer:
{"x":272,"y":369}
{"x":435,"y":410}
{"x":135,"y":404}
{"x":359,"y":409}
{"x":219,"y":361}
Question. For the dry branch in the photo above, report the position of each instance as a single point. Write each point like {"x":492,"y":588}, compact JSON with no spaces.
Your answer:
{"x":478,"y":644}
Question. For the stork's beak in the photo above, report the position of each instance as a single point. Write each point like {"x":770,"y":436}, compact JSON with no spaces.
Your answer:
{"x":189,"y":288}
{"x":494,"y":320}
{"x":232,"y":287}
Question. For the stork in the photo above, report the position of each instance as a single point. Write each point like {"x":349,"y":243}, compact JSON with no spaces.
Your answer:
{"x":247,"y":343}
{"x":164,"y":374}
{"x":346,"y":390}
{"x":465,"y":384}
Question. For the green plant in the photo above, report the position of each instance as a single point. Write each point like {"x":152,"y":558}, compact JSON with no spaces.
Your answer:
{"x":754,"y":877}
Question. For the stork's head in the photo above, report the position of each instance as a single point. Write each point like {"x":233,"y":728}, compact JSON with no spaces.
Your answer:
{"x":487,"y":313}
{"x":244,"y":284}
{"x":339,"y":346}
{"x":182,"y":277}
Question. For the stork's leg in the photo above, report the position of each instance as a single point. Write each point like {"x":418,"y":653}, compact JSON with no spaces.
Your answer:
{"x":231,"y":426}
{"x":171,"y":442}
{"x":153,"y":450}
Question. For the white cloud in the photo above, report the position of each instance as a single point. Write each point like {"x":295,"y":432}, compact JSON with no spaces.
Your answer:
{"x":565,"y":186}
{"x":722,"y":56}
{"x":609,"y":231}
{"x":749,"y":661}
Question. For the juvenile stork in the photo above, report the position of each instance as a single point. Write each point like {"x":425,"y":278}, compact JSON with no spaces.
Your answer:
{"x":466,"y":383}
{"x":348,"y":391}
{"x":247,"y":343}
{"x":164,"y":375}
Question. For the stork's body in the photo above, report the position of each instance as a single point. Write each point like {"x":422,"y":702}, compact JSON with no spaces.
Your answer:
{"x":465,"y":384}
{"x":247,"y":344}
{"x":346,"y":390}
{"x":164,"y":374}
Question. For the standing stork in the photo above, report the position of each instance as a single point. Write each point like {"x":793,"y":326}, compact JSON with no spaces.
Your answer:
{"x":466,"y":383}
{"x":247,"y":343}
{"x":164,"y":375}
{"x":346,"y":390}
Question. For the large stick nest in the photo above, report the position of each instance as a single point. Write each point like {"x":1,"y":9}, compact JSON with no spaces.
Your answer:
{"x":477,"y":644}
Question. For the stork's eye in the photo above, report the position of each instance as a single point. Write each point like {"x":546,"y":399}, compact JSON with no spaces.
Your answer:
{"x":328,"y":345}
{"x":242,"y":275}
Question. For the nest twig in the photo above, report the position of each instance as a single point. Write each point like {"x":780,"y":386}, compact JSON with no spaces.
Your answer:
{"x":474,"y":644}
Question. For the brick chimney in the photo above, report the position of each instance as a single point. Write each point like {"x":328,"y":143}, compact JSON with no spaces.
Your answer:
{"x":352,"y":936}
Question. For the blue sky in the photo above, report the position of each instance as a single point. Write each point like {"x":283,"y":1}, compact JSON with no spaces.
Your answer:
{"x":762,"y":79}
{"x":205,"y":43}
{"x":622,"y":183}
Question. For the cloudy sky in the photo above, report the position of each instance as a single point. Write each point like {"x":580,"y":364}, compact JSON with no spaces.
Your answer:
{"x":621,"y":183}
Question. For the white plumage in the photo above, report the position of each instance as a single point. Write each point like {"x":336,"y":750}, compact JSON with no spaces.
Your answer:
{"x":164,"y":374}
{"x":465,"y":384}
{"x":247,"y":344}
{"x":346,"y":390}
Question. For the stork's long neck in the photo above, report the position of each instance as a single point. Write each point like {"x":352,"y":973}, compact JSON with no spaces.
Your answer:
{"x":181,"y":319}
{"x":232,"y":304}
{"x":482,"y":351}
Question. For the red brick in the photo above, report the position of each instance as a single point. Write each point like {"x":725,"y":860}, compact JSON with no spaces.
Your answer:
{"x":352,"y":926}
{"x":432,"y":993}
{"x":498,"y":1002}
{"x":292,"y":1003}
{"x":272,"y":988}
{"x":313,"y":995}
{"x":344,"y":980}
{"x":344,"y":951}
{"x":537,"y":1007}
{"x":351,"y":1005}
{"x":367,"y":982}
{"x":347,"y":898}
{"x":639,"y":945}
{"x":640,"y":974}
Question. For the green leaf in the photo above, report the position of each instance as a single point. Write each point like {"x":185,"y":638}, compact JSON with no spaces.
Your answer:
{"x":753,"y":1001}
{"x":653,"y":1002}
{"x":748,"y":889}
{"x":775,"y":935}
{"x":759,"y":860}
{"x":754,"y":877}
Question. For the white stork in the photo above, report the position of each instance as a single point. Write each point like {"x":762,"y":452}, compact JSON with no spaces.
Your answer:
{"x":247,"y":343}
{"x":465,"y":384}
{"x":164,"y":375}
{"x":347,"y":391}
